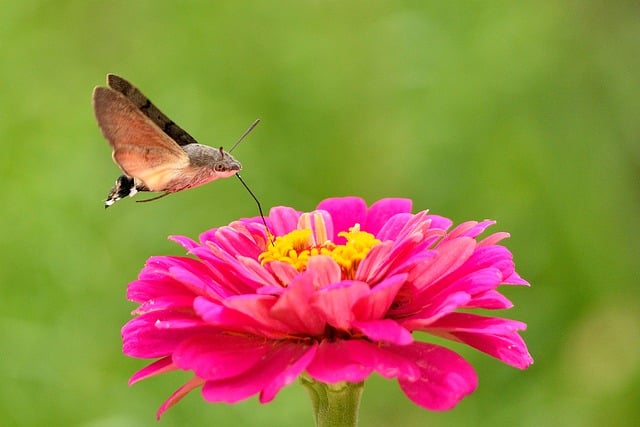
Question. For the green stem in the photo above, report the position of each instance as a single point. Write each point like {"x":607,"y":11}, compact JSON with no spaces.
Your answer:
{"x":334,"y":405}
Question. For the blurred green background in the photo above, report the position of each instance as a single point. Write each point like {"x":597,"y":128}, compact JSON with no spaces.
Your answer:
{"x":523,"y":112}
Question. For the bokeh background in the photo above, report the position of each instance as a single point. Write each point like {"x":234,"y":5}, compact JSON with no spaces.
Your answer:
{"x":524,"y":112}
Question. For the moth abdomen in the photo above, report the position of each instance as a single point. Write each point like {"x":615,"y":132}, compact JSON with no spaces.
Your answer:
{"x":124,"y":186}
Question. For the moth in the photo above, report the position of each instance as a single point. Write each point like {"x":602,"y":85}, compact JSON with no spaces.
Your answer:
{"x":153,"y":152}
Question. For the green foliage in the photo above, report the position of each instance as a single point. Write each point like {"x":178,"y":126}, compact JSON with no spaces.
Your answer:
{"x":524,"y":112}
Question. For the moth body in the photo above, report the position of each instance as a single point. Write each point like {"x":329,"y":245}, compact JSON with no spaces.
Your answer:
{"x":206,"y":164}
{"x":153,"y":152}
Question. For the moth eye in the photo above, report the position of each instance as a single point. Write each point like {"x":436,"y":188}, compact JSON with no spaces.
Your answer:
{"x":218,"y":168}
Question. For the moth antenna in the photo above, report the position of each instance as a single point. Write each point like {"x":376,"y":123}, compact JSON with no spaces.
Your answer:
{"x":259,"y":207}
{"x":153,"y":198}
{"x":246,"y":132}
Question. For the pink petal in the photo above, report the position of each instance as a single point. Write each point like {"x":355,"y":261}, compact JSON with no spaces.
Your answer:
{"x":515,"y":279}
{"x":495,"y":336}
{"x":461,"y":229}
{"x":335,"y":303}
{"x":256,"y":228}
{"x":156,"y":368}
{"x":238,"y":242}
{"x":142,"y":338}
{"x":273,"y":371}
{"x":258,"y":308}
{"x":437,"y":308}
{"x":445,"y":377}
{"x":208,"y":237}
{"x":439,"y":222}
{"x":376,"y":304}
{"x":190,"y":274}
{"x":215,"y":266}
{"x":354,"y":360}
{"x":490,"y":300}
{"x":387,"y":360}
{"x":327,"y":271}
{"x":247,"y":313}
{"x":417,"y":224}
{"x":284,"y":272}
{"x":469,"y":229}
{"x":228,"y":270}
{"x":479,"y":273}
{"x":283,"y":220}
{"x":477,"y":282}
{"x":143,"y":291}
{"x":400,"y":259}
{"x":494,"y":239}
{"x":509,"y":348}
{"x":288,"y":375}
{"x":293,"y":307}
{"x":194,"y":276}
{"x":333,"y":363}
{"x":327,"y":233}
{"x":185,"y":242}
{"x":215,"y":356}
{"x":382,"y":210}
{"x":256,"y":272}
{"x":165,"y":303}
{"x":345,"y":213}
{"x":384,"y":331}
{"x":468,"y":322}
{"x":374,"y":261}
{"x":497,"y":257}
{"x":393,"y":226}
{"x":178,"y":395}
{"x":450,"y":255}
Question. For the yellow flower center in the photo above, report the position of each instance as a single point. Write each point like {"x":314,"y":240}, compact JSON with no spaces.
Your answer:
{"x":310,"y":239}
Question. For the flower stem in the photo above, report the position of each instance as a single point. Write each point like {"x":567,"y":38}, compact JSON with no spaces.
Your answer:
{"x":334,"y":405}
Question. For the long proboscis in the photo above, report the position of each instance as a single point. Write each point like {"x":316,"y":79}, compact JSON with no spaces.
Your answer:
{"x":244,"y":184}
{"x":264,"y":221}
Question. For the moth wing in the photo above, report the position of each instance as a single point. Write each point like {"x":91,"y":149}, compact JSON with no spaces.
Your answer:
{"x":133,"y":94}
{"x":140,"y":148}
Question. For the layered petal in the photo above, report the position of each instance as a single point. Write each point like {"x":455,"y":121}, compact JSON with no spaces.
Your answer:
{"x":275,"y":369}
{"x":144,"y":338}
{"x":492,"y":335}
{"x":334,"y":294}
{"x":354,"y":360}
{"x":345,"y":212}
{"x":444,"y":377}
{"x":382,"y":211}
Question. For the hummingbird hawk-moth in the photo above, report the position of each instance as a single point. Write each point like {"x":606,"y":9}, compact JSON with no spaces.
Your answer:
{"x":154,"y":153}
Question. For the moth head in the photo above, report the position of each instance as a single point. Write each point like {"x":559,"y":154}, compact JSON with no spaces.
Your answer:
{"x":226,"y":162}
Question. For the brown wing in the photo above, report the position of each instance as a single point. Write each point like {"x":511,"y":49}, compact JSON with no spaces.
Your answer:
{"x":140,"y":147}
{"x":134,"y":95}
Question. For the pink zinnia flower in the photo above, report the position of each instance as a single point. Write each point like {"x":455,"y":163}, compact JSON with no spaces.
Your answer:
{"x":335,"y":296}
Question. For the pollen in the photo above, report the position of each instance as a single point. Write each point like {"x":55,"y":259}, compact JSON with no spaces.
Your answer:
{"x":311,"y":239}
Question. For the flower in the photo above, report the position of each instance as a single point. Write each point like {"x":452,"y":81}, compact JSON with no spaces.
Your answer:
{"x":333,"y":295}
